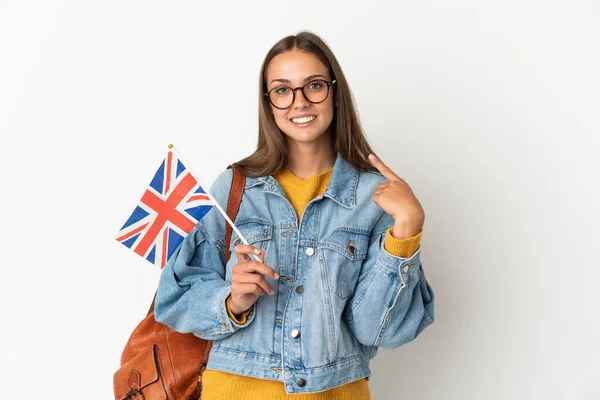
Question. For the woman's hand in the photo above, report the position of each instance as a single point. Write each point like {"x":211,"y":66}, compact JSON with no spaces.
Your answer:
{"x":248,"y":281}
{"x":398,"y":200}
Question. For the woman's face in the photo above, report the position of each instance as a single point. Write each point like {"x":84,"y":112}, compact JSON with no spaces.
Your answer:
{"x":303,"y":121}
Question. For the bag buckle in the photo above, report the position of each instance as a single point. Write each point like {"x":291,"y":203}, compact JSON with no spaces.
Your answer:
{"x":134,"y":394}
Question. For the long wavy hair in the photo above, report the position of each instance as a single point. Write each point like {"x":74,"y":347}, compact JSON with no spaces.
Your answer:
{"x":348,"y":138}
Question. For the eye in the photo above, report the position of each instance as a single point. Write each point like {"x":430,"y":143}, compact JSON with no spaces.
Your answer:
{"x":315,"y":85}
{"x":281,"y":90}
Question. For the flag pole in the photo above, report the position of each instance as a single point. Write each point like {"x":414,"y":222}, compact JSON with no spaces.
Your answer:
{"x":212,"y":199}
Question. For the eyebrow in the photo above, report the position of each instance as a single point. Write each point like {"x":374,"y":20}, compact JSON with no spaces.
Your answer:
{"x":305,"y":79}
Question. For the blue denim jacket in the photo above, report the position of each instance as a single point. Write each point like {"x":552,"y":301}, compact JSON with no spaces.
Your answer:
{"x":339,"y":297}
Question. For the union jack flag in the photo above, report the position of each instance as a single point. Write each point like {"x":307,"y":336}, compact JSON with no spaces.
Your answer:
{"x":169,"y":209}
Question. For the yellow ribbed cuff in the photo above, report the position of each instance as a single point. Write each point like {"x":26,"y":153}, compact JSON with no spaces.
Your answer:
{"x":404,"y":248}
{"x":243,"y":316}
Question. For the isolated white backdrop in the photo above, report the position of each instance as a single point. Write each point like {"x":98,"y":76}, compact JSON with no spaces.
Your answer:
{"x":488,"y":109}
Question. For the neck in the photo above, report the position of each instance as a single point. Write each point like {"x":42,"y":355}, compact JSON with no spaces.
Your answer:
{"x":306,"y":160}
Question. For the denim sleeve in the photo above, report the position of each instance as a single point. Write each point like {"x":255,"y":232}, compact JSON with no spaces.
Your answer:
{"x":392,"y":302}
{"x":192,"y":288}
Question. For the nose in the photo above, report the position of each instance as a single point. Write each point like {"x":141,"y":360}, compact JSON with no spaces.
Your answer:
{"x":299,"y":100}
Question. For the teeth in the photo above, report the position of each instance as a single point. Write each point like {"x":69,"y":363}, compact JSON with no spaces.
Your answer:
{"x":303,"y":120}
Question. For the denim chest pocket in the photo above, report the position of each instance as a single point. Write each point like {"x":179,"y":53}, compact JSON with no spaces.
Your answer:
{"x":257,"y":232}
{"x":342,"y":255}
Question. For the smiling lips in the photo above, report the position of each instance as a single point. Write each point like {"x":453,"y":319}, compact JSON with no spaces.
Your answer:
{"x":303,"y":120}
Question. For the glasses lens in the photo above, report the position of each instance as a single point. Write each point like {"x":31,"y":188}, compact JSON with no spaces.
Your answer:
{"x":316,"y":91}
{"x":281,"y":96}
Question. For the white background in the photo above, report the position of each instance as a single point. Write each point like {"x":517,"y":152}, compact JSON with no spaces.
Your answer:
{"x":488,"y":109}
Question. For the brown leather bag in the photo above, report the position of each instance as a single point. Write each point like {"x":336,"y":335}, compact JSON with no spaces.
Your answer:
{"x":161,"y":363}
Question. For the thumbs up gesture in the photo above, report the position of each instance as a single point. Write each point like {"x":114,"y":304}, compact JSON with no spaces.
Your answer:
{"x":397,"y":199}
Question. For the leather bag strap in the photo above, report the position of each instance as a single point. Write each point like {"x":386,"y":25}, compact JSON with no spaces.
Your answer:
{"x":233,"y":205}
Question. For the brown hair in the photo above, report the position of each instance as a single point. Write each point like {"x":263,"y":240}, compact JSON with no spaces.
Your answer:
{"x":347,"y":134}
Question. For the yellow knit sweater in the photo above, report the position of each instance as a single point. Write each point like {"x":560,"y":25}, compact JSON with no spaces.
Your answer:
{"x":219,"y":385}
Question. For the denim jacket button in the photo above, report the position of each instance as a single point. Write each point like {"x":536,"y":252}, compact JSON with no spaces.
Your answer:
{"x":295,"y":333}
{"x":301,"y":382}
{"x":310,"y":251}
{"x":351,"y":247}
{"x":407,"y":268}
{"x":300,"y":289}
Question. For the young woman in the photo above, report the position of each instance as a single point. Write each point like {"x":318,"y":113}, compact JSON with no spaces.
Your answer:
{"x":337,"y":234}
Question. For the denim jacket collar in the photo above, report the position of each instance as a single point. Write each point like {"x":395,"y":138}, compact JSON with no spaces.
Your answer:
{"x":341,"y":189}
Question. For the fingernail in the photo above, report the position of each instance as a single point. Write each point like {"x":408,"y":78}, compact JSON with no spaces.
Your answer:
{"x":276,"y":275}
{"x":256,"y":251}
{"x":272,"y":292}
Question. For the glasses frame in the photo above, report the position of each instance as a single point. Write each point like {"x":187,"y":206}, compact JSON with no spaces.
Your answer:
{"x":303,"y":94}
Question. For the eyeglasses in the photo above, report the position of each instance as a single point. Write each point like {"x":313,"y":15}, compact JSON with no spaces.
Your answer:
{"x":316,"y":92}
